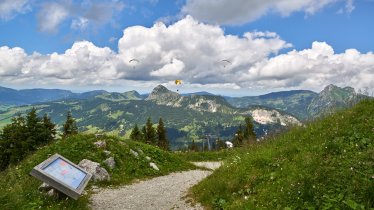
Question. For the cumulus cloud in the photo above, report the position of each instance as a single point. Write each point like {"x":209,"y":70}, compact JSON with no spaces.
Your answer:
{"x":11,"y":61}
{"x":313,"y":68}
{"x":197,"y":50}
{"x":10,"y":8}
{"x":235,"y":12}
{"x":191,"y":51}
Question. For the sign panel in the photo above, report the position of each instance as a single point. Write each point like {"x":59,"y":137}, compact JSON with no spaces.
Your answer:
{"x":63,"y":175}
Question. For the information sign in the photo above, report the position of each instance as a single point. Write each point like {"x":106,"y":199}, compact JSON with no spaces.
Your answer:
{"x":63,"y":175}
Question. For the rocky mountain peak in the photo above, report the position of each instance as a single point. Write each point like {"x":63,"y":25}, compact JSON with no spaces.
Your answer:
{"x":160,"y":89}
{"x":161,"y":94}
{"x":329,"y":88}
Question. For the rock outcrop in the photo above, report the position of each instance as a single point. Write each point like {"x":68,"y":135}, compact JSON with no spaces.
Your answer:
{"x":98,"y":173}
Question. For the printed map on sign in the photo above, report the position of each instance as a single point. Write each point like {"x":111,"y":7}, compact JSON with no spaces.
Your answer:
{"x":65,"y":172}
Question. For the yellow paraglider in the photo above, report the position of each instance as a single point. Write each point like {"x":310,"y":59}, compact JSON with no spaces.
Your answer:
{"x":178,"y":82}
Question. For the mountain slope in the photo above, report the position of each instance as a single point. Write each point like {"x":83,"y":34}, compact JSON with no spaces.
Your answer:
{"x":304,"y":104}
{"x":333,"y":98}
{"x":294,"y":102}
{"x":20,"y":97}
{"x":329,"y":164}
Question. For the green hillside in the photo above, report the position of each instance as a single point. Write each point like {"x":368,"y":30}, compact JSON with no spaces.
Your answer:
{"x":328,"y":164}
{"x":294,"y":102}
{"x":20,"y":191}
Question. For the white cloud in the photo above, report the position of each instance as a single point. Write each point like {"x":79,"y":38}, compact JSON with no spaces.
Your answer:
{"x":10,"y":8}
{"x":235,"y":12}
{"x":349,"y":6}
{"x":200,"y":47}
{"x":174,"y":68}
{"x":79,"y":24}
{"x":52,"y":15}
{"x":313,"y":69}
{"x":193,"y":52}
{"x":81,"y":14}
{"x":11,"y":61}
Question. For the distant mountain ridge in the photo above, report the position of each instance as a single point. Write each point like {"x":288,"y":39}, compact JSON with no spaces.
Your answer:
{"x":303,"y":104}
{"x":186,"y":117}
{"x":10,"y":96}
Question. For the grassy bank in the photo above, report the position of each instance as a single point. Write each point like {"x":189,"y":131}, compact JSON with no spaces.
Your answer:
{"x":329,"y":164}
{"x":20,"y":191}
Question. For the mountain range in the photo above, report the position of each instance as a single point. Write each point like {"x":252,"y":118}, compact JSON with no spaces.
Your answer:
{"x":189,"y":116}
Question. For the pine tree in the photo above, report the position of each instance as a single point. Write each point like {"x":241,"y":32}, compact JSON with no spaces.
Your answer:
{"x":49,"y":128}
{"x":248,"y":133}
{"x":70,"y":126}
{"x":150,"y":137}
{"x":163,"y":142}
{"x":13,"y":145}
{"x":23,"y":136}
{"x":136,"y":135}
{"x":239,"y":136}
{"x":33,"y":130}
{"x":144,"y":134}
{"x":193,"y":146}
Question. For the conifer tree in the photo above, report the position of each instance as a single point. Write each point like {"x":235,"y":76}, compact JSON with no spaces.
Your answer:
{"x":144,"y":134}
{"x":33,"y":129}
{"x":193,"y":146}
{"x":70,"y":126}
{"x":49,"y":128}
{"x":136,"y":134}
{"x":23,"y":136}
{"x":150,"y":137}
{"x":239,"y":136}
{"x":163,"y":142}
{"x":248,"y":133}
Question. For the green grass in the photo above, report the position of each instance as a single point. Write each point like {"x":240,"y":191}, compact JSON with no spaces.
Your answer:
{"x":20,"y":191}
{"x":329,"y":164}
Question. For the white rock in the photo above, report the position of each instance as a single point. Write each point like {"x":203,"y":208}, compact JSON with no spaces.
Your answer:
{"x":110,"y":162}
{"x":107,"y":153}
{"x":100,"y":144}
{"x":140,"y":151}
{"x":44,"y":187}
{"x":154,"y":166}
{"x":98,"y":173}
{"x":54,"y":194}
{"x":134,"y":153}
{"x":148,"y":158}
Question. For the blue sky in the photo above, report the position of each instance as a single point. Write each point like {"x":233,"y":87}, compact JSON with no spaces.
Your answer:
{"x":52,"y":27}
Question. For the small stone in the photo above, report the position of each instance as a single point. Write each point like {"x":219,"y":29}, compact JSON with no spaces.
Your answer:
{"x":98,"y":173}
{"x":95,"y":189}
{"x":123,"y":143}
{"x":53,"y":193}
{"x":148,"y":158}
{"x":154,"y":166}
{"x":100,"y":144}
{"x":110,"y":162}
{"x":140,"y":151}
{"x":44,"y":187}
{"x":134,"y":153}
{"x":107,"y":153}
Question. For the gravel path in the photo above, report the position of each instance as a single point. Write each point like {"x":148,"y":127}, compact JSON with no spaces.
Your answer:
{"x":165,"y":192}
